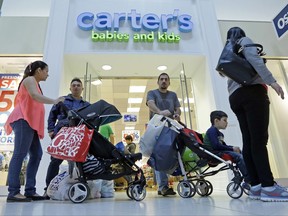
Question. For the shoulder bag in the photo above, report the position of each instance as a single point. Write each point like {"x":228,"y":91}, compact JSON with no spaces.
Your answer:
{"x":234,"y":65}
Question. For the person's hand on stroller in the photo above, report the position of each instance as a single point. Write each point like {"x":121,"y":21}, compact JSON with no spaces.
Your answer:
{"x":176,"y":117}
{"x":165,"y":112}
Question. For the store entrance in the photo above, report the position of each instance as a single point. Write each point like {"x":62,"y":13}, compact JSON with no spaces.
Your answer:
{"x":120,"y":93}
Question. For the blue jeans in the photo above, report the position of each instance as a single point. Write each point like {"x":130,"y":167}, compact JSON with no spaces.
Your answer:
{"x":238,"y":159}
{"x":161,"y":179}
{"x":26,"y":141}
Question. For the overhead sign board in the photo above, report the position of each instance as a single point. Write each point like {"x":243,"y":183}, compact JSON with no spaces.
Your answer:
{"x":281,"y":22}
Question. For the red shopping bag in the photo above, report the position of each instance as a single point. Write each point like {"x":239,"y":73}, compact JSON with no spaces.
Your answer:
{"x":71,"y":143}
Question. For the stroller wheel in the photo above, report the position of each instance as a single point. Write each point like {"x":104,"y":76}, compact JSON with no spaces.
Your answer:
{"x":186,"y":189}
{"x":234,"y":190}
{"x":246,"y":188}
{"x":129,"y":191}
{"x":78,"y":192}
{"x":210,"y":188}
{"x":202,"y":188}
{"x":137,"y":192}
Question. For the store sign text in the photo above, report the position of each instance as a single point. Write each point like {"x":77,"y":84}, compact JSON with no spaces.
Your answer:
{"x":8,"y":90}
{"x":281,"y":22}
{"x":105,"y":27}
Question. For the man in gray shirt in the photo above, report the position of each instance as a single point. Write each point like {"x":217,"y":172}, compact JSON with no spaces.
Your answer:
{"x":163,"y":102}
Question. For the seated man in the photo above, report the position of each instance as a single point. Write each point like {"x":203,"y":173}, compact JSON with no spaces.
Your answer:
{"x":214,"y":142}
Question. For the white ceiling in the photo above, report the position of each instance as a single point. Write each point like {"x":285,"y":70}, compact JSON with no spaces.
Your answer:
{"x":130,"y":65}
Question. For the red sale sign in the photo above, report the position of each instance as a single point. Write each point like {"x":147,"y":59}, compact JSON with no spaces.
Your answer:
{"x":8,"y":90}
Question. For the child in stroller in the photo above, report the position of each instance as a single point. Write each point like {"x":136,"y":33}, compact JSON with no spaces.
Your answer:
{"x":191,"y":169}
{"x":105,"y":153}
{"x":214,"y":141}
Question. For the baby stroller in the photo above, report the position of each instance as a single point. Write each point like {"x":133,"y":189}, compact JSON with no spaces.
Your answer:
{"x":194,"y":169}
{"x":93,"y":116}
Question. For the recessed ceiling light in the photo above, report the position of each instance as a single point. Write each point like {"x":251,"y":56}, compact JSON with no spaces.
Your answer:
{"x":162,"y":68}
{"x":106,"y":67}
{"x":191,"y":100}
{"x":186,"y":109}
{"x":96,"y":82}
{"x":135,"y":100}
{"x":137,"y":89}
{"x":133,"y":109}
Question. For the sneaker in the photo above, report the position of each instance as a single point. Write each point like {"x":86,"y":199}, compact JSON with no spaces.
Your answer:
{"x":46,"y":195}
{"x":274,"y":193}
{"x":255,"y":192}
{"x":167,"y":191}
{"x":159,"y":192}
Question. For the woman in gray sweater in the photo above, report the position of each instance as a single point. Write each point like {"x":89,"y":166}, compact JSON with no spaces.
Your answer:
{"x":251,"y":105}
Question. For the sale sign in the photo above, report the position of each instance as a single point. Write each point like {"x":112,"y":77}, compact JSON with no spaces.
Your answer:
{"x":8,"y":90}
{"x":134,"y":133}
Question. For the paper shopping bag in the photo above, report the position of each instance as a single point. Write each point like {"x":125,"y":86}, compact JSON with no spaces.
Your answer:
{"x":71,"y":143}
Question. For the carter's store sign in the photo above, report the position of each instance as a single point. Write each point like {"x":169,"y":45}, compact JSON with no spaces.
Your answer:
{"x":106,"y":27}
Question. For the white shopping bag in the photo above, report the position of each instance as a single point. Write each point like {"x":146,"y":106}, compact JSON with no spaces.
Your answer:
{"x":152,"y":132}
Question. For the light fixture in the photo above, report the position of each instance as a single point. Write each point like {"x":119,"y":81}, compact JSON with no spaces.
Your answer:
{"x":162,"y":68}
{"x":191,"y":100}
{"x":106,"y":67}
{"x":129,"y":128}
{"x":186,"y":109}
{"x":137,"y":89}
{"x":133,"y":109}
{"x":135,"y":100}
{"x":96,"y":82}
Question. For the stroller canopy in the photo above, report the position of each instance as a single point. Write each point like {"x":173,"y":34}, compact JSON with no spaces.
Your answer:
{"x":99,"y":113}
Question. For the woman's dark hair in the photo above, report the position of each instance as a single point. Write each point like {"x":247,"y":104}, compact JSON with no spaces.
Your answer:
{"x":217,"y":114}
{"x":234,"y":34}
{"x":30,"y":70}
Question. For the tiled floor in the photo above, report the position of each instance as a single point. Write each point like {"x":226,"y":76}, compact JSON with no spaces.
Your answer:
{"x":219,"y":203}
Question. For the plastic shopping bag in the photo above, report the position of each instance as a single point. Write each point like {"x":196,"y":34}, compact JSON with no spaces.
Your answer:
{"x":165,"y":155}
{"x":152,"y":132}
{"x":59,"y":186}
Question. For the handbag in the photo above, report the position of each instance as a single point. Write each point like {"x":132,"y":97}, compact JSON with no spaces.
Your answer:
{"x":235,"y":66}
{"x":71,"y":143}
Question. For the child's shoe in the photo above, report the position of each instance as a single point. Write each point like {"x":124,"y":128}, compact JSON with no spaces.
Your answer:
{"x":274,"y":193}
{"x":255,"y":192}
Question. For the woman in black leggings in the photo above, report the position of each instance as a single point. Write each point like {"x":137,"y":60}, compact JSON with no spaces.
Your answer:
{"x":251,"y":105}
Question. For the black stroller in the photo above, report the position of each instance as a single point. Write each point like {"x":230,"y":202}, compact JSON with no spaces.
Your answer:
{"x":193,"y":169}
{"x":93,"y":116}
